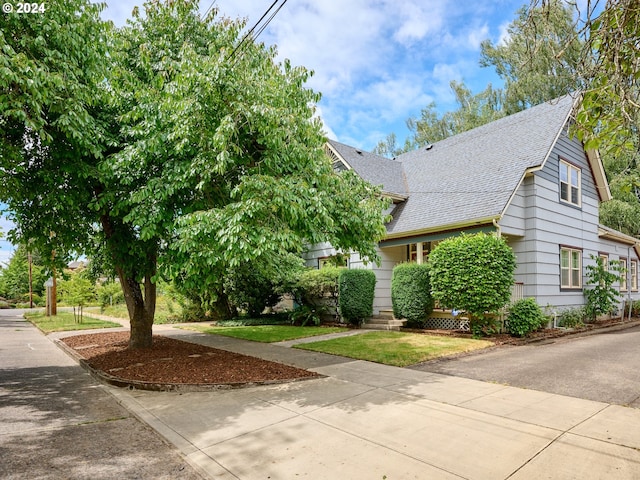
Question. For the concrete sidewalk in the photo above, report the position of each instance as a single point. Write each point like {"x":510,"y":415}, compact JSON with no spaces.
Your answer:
{"x":370,"y":421}
{"x":56,"y":422}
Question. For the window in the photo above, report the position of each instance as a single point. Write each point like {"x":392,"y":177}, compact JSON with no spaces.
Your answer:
{"x":419,"y":252}
{"x":634,"y":275}
{"x":623,"y":274}
{"x":570,"y":268}
{"x":569,"y":183}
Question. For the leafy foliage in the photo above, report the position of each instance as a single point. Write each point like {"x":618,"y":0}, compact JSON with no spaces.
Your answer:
{"x":602,"y":297}
{"x":14,"y":277}
{"x":356,"y":293}
{"x":527,"y":60}
{"x":153,"y":144}
{"x":411,"y":293}
{"x":77,"y":291}
{"x":572,"y":317}
{"x":472,"y":273}
{"x":525,"y":316}
{"x":254,"y":287}
{"x":110,"y":293}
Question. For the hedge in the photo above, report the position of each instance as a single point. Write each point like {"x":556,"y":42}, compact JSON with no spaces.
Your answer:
{"x":356,"y":292}
{"x":411,"y":293}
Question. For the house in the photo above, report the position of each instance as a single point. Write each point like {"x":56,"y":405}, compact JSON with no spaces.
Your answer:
{"x":524,"y":178}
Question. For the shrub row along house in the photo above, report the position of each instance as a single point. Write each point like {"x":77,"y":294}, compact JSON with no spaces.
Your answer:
{"x":524,"y":178}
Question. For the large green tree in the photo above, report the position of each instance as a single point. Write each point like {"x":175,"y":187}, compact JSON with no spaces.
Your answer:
{"x":527,"y":61}
{"x":14,"y":276}
{"x":201,"y":154}
{"x":539,"y":58}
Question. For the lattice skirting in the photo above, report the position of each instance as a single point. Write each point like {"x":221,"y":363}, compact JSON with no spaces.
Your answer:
{"x":447,"y":323}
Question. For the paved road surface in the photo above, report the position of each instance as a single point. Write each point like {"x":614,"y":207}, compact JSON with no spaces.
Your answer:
{"x":56,"y":422}
{"x":603,"y":367}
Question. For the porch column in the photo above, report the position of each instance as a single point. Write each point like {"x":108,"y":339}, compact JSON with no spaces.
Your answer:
{"x":419,"y":252}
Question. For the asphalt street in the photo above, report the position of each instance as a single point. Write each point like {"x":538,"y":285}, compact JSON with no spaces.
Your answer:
{"x":604,"y":367}
{"x":56,"y":422}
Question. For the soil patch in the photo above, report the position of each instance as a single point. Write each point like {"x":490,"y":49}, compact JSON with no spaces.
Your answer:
{"x":174,"y":362}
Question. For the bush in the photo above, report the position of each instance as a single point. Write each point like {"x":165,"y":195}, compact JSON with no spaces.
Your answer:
{"x":411,"y":293}
{"x":317,"y":289}
{"x":356,"y":292}
{"x":110,"y":293}
{"x":473,"y":273}
{"x":572,"y":317}
{"x":255,"y":286}
{"x":314,"y":285}
{"x":525,"y":316}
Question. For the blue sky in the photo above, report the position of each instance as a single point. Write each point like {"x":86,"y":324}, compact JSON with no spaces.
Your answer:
{"x":376,"y":62}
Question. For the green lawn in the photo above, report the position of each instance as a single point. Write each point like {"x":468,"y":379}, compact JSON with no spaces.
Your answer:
{"x":167,"y":311}
{"x":395,"y":348}
{"x":265,"y":333}
{"x":64,"y":321}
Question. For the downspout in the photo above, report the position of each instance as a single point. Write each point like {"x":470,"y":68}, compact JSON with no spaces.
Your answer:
{"x":628,"y":275}
{"x":498,"y":229}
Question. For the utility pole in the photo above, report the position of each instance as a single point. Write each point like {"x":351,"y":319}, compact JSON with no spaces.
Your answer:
{"x":30,"y":279}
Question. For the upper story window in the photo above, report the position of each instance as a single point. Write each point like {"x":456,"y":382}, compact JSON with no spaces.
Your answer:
{"x":570,"y":189}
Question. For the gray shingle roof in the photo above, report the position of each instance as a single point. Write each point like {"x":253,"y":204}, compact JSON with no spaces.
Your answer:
{"x":376,"y":170}
{"x":469,"y":176}
{"x":473,"y":175}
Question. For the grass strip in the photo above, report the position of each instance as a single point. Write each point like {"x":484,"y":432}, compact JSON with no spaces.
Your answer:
{"x":265,"y":333}
{"x":64,"y":321}
{"x":395,"y":348}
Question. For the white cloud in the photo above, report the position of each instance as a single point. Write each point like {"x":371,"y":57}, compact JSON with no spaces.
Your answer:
{"x":375,"y":63}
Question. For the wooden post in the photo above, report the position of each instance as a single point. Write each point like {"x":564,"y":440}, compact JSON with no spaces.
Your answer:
{"x":30,"y":280}
{"x":54,"y":297}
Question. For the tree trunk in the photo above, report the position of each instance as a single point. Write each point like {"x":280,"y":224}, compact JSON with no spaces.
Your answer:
{"x":141,"y":309}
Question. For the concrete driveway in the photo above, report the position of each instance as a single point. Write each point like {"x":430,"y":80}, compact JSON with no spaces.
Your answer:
{"x":604,"y":367}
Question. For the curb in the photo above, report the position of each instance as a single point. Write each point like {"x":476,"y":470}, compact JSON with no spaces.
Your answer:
{"x":585,"y":333}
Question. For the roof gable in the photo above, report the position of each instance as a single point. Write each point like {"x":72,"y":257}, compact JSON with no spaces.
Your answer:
{"x":470,"y":178}
{"x":373,"y":168}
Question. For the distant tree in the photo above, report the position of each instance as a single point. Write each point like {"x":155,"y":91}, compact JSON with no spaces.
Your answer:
{"x":77,"y":291}
{"x":539,"y":58}
{"x":473,"y":111}
{"x":389,"y":147}
{"x":14,"y":277}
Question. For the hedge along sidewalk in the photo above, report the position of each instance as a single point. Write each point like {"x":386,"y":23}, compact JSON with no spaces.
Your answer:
{"x":398,"y":349}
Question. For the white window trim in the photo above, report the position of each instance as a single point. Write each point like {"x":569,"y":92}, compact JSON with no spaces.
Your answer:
{"x":570,"y":167}
{"x":623,"y":274}
{"x":570,"y":285}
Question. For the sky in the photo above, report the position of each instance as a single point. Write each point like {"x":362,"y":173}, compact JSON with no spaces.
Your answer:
{"x":375,"y":62}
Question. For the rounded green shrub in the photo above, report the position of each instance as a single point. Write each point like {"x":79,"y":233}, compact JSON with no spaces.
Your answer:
{"x":411,"y":293}
{"x":472,"y":273}
{"x":525,"y":316}
{"x":356,"y":291}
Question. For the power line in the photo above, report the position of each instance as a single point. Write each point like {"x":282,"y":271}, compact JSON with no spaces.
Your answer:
{"x":213,"y":2}
{"x":243,"y":42}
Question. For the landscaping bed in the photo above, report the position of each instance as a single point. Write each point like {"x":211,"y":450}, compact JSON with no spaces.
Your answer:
{"x":173,"y":362}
